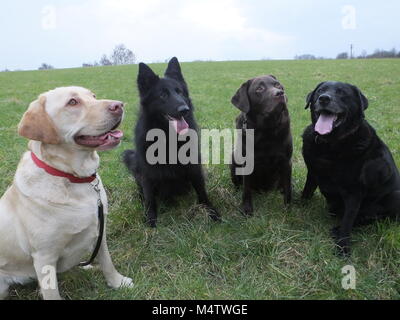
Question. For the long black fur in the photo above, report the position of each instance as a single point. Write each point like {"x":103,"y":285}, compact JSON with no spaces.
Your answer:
{"x":160,"y":97}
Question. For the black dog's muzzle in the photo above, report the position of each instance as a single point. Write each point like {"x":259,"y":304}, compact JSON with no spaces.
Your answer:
{"x":183,"y":110}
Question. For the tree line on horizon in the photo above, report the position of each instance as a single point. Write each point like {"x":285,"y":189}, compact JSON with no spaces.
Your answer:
{"x":378,"y":54}
{"x":121,"y":55}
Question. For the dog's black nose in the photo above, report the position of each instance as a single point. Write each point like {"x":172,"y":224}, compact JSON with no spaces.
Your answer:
{"x":324,"y":99}
{"x":280,"y":93}
{"x":183,"y":110}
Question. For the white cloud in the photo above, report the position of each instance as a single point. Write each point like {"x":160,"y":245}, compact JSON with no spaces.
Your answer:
{"x":217,"y":16}
{"x":129,"y":8}
{"x":223,"y":20}
{"x":156,"y":30}
{"x":81,"y":31}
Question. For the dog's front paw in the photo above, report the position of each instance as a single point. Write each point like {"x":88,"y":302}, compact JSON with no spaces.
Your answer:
{"x":151,"y":222}
{"x":126,"y":283}
{"x":119,"y":281}
{"x":288,"y":197}
{"x":342,"y":243}
{"x":343,"y":248}
{"x":247,"y":209}
{"x":335,"y":233}
{"x":214,"y":214}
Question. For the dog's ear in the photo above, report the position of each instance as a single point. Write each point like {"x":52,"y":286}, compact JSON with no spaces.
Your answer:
{"x":37,"y":125}
{"x":310,"y":96}
{"x":241,"y":99}
{"x":174,"y":70}
{"x":364,"y":103}
{"x":146,"y":78}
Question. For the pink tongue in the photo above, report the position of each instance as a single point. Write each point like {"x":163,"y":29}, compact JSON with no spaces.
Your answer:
{"x":325,"y":124}
{"x":180,"y":126}
{"x":117,"y":134}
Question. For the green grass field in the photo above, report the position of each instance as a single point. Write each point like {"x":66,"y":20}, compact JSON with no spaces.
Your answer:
{"x":280,"y":253}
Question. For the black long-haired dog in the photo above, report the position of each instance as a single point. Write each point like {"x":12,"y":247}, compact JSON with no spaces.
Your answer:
{"x":352,"y":167}
{"x":165,"y":106}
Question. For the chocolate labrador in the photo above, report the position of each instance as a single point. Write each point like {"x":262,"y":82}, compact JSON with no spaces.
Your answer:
{"x":352,"y":167}
{"x":263,"y":103}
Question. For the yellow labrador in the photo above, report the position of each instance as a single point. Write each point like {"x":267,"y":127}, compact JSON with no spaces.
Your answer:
{"x":49,"y":222}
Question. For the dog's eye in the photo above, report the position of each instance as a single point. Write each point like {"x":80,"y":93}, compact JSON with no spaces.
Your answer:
{"x":73,"y":102}
{"x":260,"y":89}
{"x":164,"y":95}
{"x":278,"y":85}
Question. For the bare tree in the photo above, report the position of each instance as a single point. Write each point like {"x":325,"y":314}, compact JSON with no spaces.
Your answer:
{"x":45,"y":66}
{"x":122,"y":55}
{"x":104,"y":61}
{"x":381,"y":54}
{"x":363,"y":54}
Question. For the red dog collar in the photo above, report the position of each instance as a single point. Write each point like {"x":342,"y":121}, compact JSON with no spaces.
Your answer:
{"x":57,"y":173}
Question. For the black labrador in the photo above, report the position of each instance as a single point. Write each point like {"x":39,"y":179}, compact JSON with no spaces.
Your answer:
{"x":350,"y":164}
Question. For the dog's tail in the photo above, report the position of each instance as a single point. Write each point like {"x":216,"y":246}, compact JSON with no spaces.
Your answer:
{"x":129,"y":158}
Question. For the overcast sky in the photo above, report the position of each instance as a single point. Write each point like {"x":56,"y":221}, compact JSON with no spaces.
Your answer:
{"x":66,"y":33}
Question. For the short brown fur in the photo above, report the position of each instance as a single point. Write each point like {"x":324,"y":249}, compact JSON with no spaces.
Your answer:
{"x":263,"y":103}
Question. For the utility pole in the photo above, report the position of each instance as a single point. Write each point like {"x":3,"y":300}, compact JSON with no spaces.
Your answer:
{"x":351,"y":51}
